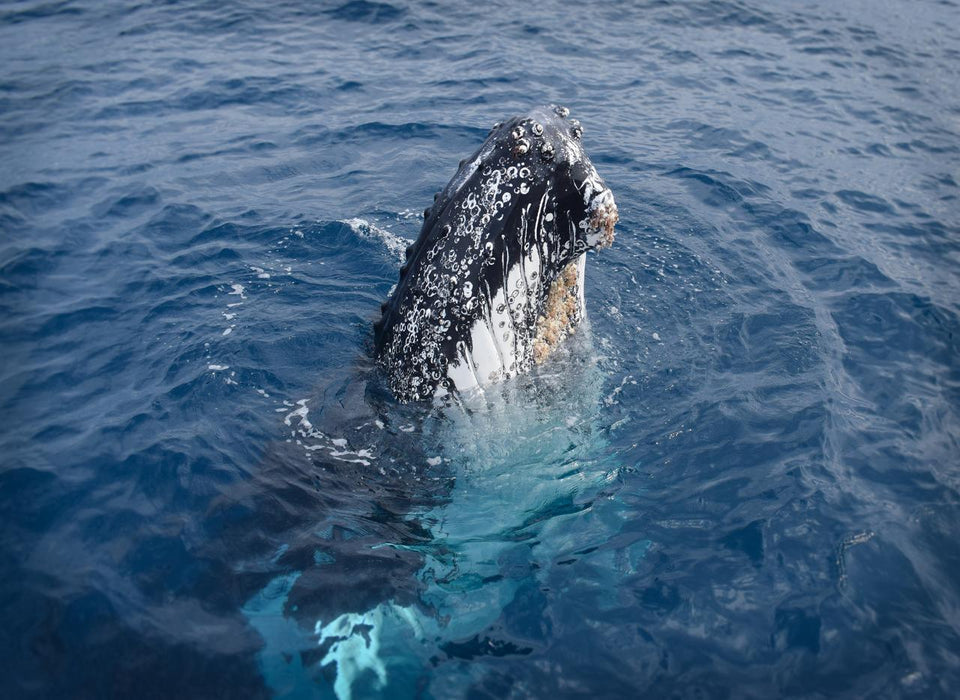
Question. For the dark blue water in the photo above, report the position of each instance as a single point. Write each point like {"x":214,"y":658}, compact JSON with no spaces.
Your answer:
{"x":743,"y":480}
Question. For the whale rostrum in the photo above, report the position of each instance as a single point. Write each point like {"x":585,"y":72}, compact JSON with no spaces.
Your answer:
{"x":494,"y":282}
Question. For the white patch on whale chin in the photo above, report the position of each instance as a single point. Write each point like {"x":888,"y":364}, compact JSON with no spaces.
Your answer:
{"x":502,"y":342}
{"x":484,"y":356}
{"x":496,"y":346}
{"x":461,"y":372}
{"x":581,"y":276}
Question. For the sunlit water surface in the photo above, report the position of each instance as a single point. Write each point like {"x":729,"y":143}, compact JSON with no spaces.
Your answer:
{"x":740,"y":480}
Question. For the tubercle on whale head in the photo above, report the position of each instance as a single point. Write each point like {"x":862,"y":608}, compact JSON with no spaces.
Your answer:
{"x":513,"y":220}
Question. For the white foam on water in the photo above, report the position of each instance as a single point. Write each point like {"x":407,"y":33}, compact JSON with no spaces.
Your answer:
{"x":312,"y":439}
{"x":611,"y":398}
{"x":363,"y":457}
{"x":301,"y":413}
{"x":394,"y":243}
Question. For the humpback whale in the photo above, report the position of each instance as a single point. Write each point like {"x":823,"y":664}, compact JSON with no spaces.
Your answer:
{"x":391,"y":570}
{"x":494,"y":282}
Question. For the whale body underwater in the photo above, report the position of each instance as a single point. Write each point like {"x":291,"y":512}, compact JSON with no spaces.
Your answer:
{"x":495,"y":280}
{"x":408,"y":529}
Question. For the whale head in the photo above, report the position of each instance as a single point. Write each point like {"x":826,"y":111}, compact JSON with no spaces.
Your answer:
{"x":495,"y":279}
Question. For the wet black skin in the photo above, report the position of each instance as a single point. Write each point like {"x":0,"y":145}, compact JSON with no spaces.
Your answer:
{"x":427,"y":320}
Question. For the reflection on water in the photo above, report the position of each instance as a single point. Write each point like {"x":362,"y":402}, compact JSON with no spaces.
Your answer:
{"x":521,"y":466}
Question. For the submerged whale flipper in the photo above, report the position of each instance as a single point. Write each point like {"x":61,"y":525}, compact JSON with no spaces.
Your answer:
{"x":495,"y":280}
{"x":389,"y":573}
{"x":406,"y":529}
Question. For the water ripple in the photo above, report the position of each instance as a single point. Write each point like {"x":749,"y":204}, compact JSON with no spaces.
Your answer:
{"x":741,"y":477}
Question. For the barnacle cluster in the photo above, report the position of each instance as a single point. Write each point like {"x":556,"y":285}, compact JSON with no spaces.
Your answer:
{"x":494,"y":283}
{"x":561,"y":313}
{"x":603,"y":218}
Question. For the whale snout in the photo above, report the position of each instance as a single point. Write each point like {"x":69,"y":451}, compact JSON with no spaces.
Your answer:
{"x":495,"y":280}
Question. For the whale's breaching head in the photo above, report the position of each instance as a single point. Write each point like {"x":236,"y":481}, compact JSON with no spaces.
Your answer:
{"x":495,"y":280}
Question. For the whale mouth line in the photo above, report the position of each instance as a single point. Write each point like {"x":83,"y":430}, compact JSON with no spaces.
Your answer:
{"x":495,"y":281}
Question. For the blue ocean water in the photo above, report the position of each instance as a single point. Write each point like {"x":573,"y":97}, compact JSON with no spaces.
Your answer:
{"x":741,"y":480}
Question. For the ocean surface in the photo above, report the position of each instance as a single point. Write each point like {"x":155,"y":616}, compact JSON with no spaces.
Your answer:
{"x":742,"y":479}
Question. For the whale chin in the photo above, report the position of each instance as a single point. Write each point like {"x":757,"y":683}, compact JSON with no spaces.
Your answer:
{"x":495,"y":281}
